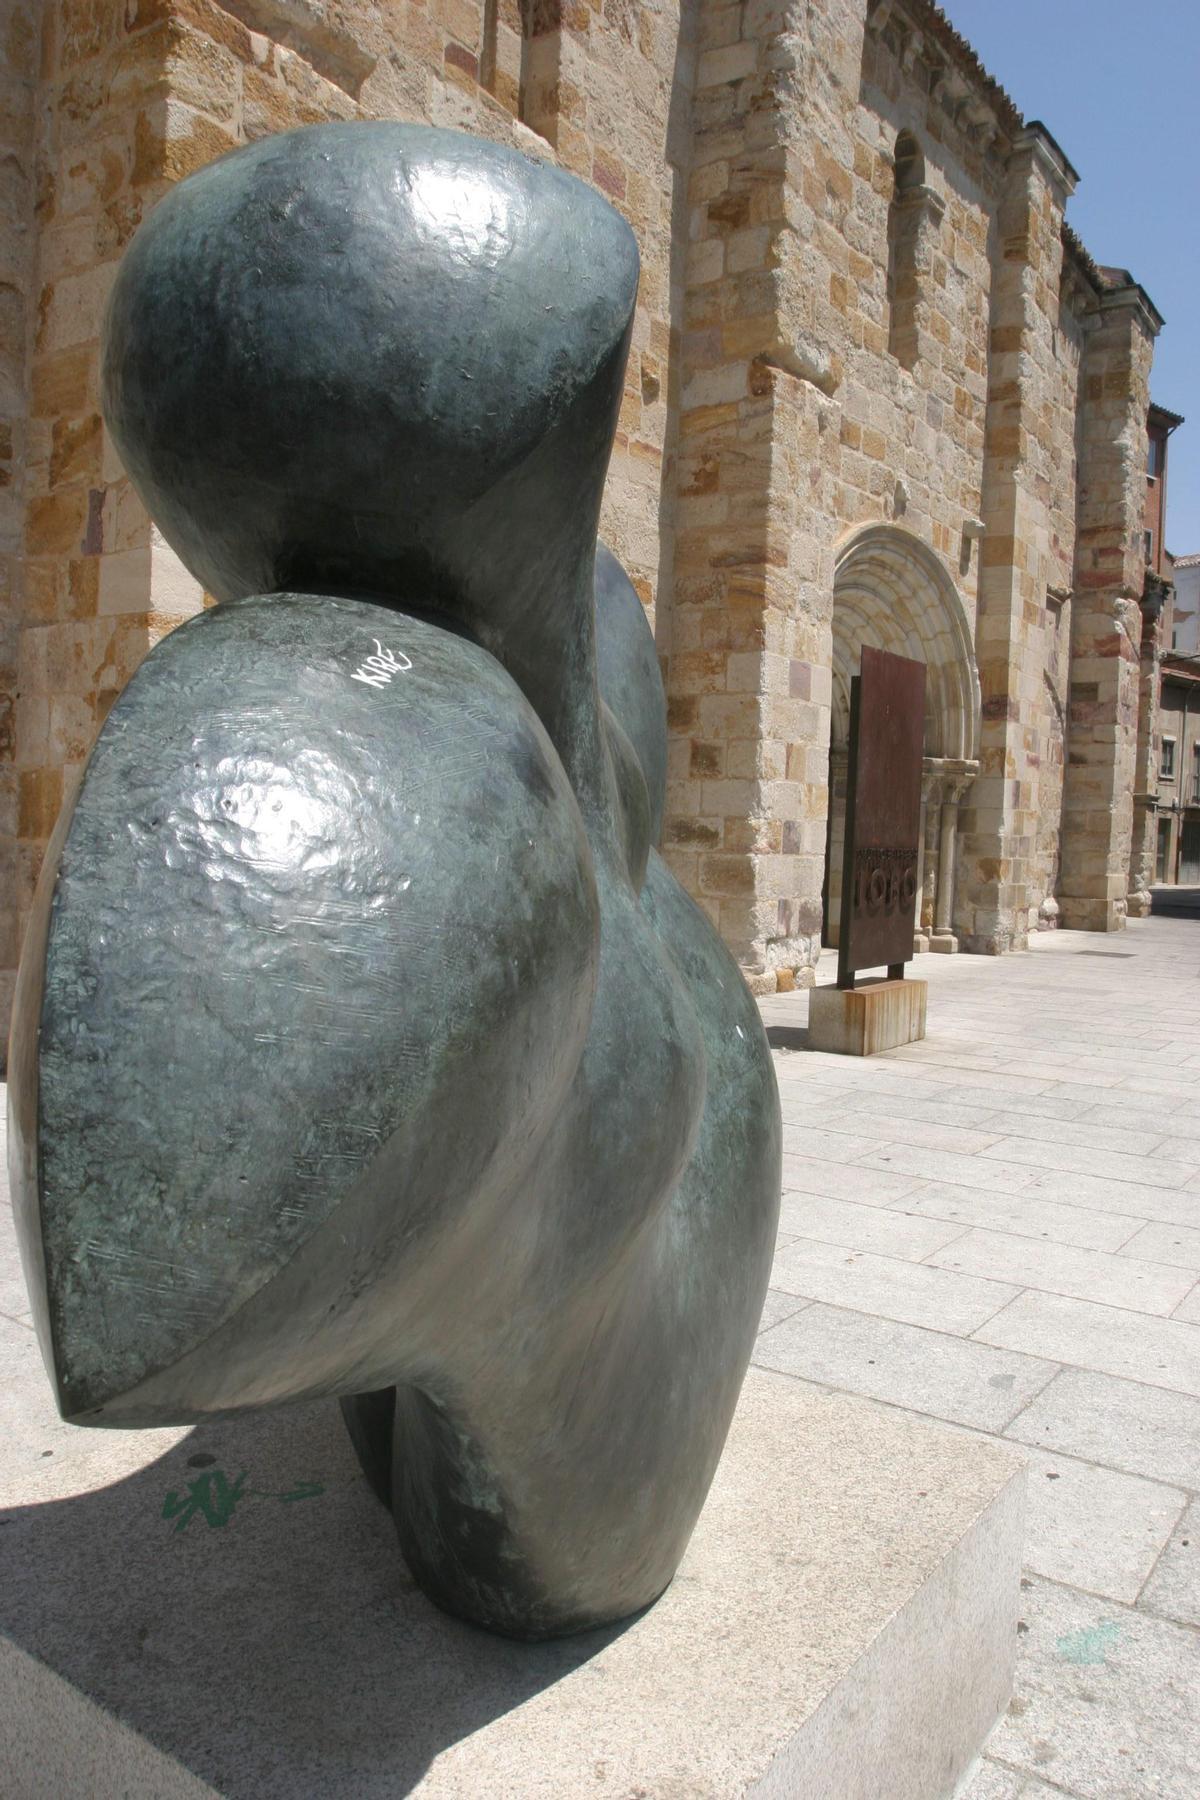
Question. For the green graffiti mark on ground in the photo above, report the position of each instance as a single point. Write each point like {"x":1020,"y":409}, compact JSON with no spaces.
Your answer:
{"x":214,"y":1498}
{"x":1090,"y":1644}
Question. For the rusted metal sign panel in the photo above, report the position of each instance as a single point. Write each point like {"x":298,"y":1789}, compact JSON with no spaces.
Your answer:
{"x":883,"y":815}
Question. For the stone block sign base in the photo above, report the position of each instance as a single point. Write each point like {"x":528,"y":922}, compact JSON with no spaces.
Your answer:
{"x":223,"y":1611}
{"x":862,"y":1021}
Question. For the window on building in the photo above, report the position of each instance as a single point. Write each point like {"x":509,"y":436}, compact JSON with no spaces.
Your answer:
{"x":1162,"y":863}
{"x":1166,"y":765}
{"x":1148,"y":547}
{"x":541,"y":61}
{"x":519,"y":59}
{"x":1154,"y":457}
{"x":1195,"y":799}
{"x":904,"y":223}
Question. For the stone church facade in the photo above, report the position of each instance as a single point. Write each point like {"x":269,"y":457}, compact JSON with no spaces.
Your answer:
{"x":878,"y":393}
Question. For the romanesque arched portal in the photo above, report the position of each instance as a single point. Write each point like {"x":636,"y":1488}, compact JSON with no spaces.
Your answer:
{"x":893,"y":592}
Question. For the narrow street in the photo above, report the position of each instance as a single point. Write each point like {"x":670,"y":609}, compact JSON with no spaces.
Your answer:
{"x":999,"y":1229}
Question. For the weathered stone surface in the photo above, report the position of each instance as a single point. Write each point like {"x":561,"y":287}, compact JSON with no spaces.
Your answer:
{"x":868,"y":1018}
{"x":776,"y":401}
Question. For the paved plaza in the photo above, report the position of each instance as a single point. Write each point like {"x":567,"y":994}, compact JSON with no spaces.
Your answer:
{"x":999,"y":1228}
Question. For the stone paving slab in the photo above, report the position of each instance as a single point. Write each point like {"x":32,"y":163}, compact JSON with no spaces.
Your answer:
{"x":1064,"y":1269}
{"x":1189,"y":1308}
{"x":1087,"y":1132}
{"x":950,"y":1165}
{"x":890,"y":1231}
{"x":1066,"y":1155}
{"x":1122,"y":1424}
{"x":1129,"y":1198}
{"x":1174,"y":1588}
{"x":1078,"y":1160}
{"x":1105,"y":1701}
{"x":1028,"y":1215}
{"x":888,"y":1128}
{"x":1093,"y":1528}
{"x":841,"y":1181}
{"x":1176,"y":1245}
{"x":1161,"y":1352}
{"x":946,"y":1377}
{"x":911,"y":1293}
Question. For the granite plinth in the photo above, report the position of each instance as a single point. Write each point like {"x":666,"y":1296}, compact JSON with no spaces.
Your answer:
{"x":869,"y":1018}
{"x":221,"y":1611}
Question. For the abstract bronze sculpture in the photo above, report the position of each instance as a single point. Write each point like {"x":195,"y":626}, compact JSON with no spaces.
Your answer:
{"x":364,"y":1045}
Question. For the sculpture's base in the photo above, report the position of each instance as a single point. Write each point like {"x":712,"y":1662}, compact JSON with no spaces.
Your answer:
{"x":862,"y":1021}
{"x":843,"y":1625}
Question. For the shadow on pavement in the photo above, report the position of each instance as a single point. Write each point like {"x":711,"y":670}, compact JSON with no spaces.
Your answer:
{"x":1175,"y":902}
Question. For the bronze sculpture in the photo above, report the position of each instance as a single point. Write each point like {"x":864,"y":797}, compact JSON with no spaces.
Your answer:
{"x":364,"y":1045}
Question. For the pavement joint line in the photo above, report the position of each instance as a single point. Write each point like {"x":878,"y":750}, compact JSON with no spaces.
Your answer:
{"x":1030,"y":1287}
{"x":1162,"y":1551}
{"x":1067,"y":1587}
{"x":1024,"y":1407}
{"x":1019,"y":1295}
{"x":953,"y":1337}
{"x":1190,"y":1295}
{"x":1151,"y":1262}
{"x":1129,"y":1312}
{"x":1024,"y":1774}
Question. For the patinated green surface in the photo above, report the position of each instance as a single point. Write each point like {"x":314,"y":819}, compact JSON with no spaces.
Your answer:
{"x":365,"y":1047}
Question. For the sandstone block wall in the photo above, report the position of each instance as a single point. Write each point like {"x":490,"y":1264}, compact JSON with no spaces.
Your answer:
{"x":1107,"y":625}
{"x":105,"y":105}
{"x":875,"y":394}
{"x":20,"y":50}
{"x":1010,"y":844}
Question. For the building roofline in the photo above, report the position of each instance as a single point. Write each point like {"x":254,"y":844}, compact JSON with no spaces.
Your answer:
{"x":1128,"y":292}
{"x":1162,"y":415}
{"x":1082,"y":257}
{"x":1071,"y":171}
{"x":930,"y":19}
{"x":1113,"y":286}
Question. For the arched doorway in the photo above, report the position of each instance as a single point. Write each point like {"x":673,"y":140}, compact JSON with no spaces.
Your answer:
{"x":892,"y":591}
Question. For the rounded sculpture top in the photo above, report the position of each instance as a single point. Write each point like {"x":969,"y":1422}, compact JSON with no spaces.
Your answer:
{"x":322,"y":350}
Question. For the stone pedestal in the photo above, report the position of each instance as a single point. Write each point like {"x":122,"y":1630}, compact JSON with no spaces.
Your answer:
{"x":224,"y":1612}
{"x":874,"y":1016}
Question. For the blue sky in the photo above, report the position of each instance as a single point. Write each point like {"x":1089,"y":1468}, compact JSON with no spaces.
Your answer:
{"x":1119,"y":87}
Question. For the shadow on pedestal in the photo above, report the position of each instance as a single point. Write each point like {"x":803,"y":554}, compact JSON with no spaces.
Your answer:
{"x":264,"y":1635}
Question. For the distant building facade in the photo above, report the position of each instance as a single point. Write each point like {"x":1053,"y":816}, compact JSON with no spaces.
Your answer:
{"x":1177,"y":759}
{"x":878,"y":393}
{"x":1184,"y":635}
{"x":1159,"y":426}
{"x":1177,"y":818}
{"x":1159,"y":602}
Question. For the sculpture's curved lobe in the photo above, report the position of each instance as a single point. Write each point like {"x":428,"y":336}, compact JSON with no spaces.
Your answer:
{"x":364,"y":1046}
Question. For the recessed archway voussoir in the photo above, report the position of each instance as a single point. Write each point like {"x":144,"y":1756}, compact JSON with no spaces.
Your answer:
{"x":893,"y":592}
